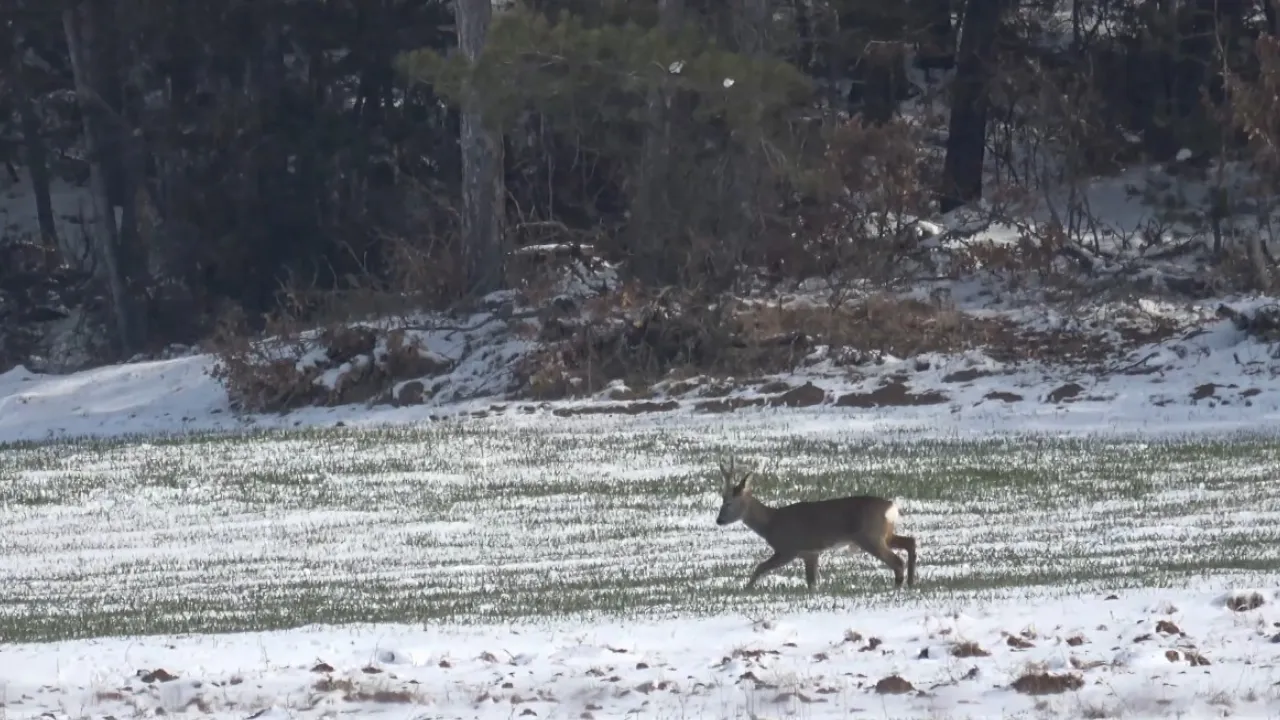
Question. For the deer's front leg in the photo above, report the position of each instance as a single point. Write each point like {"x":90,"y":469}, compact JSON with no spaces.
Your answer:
{"x":810,"y":569}
{"x":773,"y":563}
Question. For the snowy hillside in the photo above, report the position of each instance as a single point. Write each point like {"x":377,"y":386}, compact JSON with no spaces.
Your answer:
{"x":1209,"y":376}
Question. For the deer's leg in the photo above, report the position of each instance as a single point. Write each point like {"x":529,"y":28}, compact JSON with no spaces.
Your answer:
{"x":810,"y":569}
{"x":773,"y":563}
{"x":904,"y":542}
{"x":880,"y":549}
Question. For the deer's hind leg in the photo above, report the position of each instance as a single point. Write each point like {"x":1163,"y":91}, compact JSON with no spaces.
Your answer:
{"x":905,"y":542}
{"x":880,"y":550}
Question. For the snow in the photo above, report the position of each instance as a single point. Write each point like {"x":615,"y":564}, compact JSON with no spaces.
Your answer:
{"x":1134,"y":652}
{"x":1212,"y":378}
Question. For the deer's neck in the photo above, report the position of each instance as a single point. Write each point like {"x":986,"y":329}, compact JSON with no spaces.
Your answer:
{"x":757,"y":516}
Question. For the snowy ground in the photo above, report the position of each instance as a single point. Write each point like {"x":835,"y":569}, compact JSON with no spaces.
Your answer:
{"x":1158,"y":653}
{"x":570,"y":565}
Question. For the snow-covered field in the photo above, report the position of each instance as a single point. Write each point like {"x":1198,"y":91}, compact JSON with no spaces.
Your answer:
{"x":531,"y":565}
{"x":1143,"y":654}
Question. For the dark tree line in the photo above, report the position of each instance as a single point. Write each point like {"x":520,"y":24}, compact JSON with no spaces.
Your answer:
{"x":241,"y":152}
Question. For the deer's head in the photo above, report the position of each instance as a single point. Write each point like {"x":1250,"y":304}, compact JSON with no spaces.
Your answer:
{"x":736,"y":491}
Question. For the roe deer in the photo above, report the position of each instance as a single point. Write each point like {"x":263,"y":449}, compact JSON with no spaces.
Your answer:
{"x":807,"y":529}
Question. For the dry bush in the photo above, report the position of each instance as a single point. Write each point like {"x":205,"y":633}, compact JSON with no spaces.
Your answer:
{"x":422,"y":259}
{"x":968,"y":649}
{"x":415,"y":266}
{"x":266,"y":375}
{"x":542,"y":272}
{"x":405,"y":287}
{"x":425,"y":275}
{"x":1041,"y":683}
{"x":354,"y":692}
{"x":631,"y":333}
{"x":258,"y":377}
{"x":860,"y":222}
{"x":640,"y":337}
{"x":1245,"y":601}
{"x":879,"y":324}
{"x":1054,"y":134}
{"x":1052,"y":125}
{"x":893,"y":685}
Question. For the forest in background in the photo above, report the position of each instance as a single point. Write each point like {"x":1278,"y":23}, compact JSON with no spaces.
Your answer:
{"x":320,"y":160}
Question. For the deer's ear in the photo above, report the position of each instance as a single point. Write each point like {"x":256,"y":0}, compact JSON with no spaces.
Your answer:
{"x":745,"y":483}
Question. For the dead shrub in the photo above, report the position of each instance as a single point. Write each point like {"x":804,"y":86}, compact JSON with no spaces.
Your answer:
{"x":631,"y":334}
{"x":354,"y":692}
{"x":968,"y":650}
{"x":382,"y":696}
{"x":893,"y":685}
{"x":860,"y":222}
{"x":282,"y":371}
{"x":1254,"y":107}
{"x":642,"y":336}
{"x":1041,"y":683}
{"x":345,"y":343}
{"x":1190,"y":656}
{"x":544,"y":271}
{"x":1243,"y":602}
{"x":879,"y":324}
{"x":1018,"y":643}
{"x":423,"y":260}
{"x":258,"y":376}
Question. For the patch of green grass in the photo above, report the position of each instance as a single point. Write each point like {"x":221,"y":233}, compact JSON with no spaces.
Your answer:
{"x":471,"y":523}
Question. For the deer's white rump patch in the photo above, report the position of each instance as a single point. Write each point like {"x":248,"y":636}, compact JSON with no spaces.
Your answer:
{"x":892,"y":514}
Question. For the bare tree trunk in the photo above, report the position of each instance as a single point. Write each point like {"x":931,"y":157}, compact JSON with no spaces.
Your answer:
{"x":82,"y":31}
{"x":37,"y":161}
{"x":651,"y":235}
{"x":483,"y":189}
{"x":745,"y":166}
{"x":967,"y":140}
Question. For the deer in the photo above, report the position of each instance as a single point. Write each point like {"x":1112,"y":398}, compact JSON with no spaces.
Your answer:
{"x":809,"y":528}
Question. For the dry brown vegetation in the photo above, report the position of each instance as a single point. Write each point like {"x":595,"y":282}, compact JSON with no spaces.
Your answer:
{"x":271,"y":377}
{"x":893,"y":685}
{"x":1041,"y":683}
{"x":351,"y":691}
{"x":968,"y":650}
{"x":1243,"y":602}
{"x":643,"y":338}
